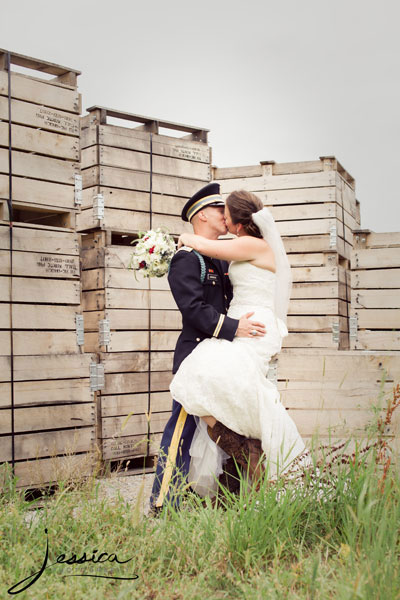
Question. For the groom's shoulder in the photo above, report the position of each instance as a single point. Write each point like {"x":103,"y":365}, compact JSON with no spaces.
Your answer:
{"x":184,"y":256}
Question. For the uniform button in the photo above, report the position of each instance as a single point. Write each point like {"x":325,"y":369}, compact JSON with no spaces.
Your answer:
{"x":197,"y":339}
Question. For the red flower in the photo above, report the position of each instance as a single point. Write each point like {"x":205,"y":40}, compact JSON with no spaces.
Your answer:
{"x":146,"y":238}
{"x":151,"y":250}
{"x":142,"y":264}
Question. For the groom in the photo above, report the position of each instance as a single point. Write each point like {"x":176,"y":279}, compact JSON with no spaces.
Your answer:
{"x":202,"y":291}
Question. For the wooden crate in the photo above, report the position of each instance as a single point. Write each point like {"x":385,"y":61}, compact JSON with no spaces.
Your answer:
{"x":332,"y":393}
{"x":43,"y":120}
{"x":54,"y":417}
{"x":121,"y":165}
{"x":315,"y":209}
{"x":141,"y":323}
{"x":54,"y":414}
{"x":40,"y":292}
{"x":375,"y":294}
{"x":312,"y":202}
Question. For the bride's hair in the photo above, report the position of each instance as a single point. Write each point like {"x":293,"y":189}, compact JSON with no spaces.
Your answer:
{"x":242,"y":205}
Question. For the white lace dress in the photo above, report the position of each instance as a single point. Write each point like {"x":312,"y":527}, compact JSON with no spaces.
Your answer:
{"x":228,"y":381}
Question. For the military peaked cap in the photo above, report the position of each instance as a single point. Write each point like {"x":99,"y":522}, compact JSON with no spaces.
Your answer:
{"x":209,"y":195}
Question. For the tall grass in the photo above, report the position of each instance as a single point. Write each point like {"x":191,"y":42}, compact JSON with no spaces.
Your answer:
{"x":335,"y":537}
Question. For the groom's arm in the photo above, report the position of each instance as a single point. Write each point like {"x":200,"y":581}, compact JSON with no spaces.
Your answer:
{"x":188,"y":292}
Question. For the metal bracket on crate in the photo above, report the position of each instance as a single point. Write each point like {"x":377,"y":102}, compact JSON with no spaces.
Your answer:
{"x":272,"y":374}
{"x":80,"y":339}
{"x":104,"y":332}
{"x":98,"y":207}
{"x":96,"y":376}
{"x":335,"y":331}
{"x":353,"y":327}
{"x":78,"y":190}
{"x":332,"y":236}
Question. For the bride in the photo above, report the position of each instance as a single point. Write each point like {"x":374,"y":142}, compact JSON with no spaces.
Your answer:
{"x":242,"y":398}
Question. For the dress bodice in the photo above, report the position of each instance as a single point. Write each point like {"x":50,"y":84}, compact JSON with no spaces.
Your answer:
{"x":251,"y":285}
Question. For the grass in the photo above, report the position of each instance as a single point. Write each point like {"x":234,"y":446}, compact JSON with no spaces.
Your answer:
{"x":336,"y":540}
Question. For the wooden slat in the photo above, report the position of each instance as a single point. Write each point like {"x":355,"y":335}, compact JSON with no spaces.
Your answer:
{"x":123,"y":221}
{"x":315,"y":323}
{"x":377,"y":340}
{"x":309,"y":274}
{"x":140,"y":161}
{"x":378,"y":299}
{"x":39,"y":418}
{"x":320,"y":290}
{"x":378,"y":319}
{"x":316,"y":243}
{"x":38,"y":238}
{"x":55,"y":291}
{"x":118,"y":198}
{"x":39,"y":167}
{"x":53,"y":366}
{"x":57,"y":391}
{"x":118,"y":298}
{"x":35,"y":264}
{"x":338,"y":366}
{"x":125,"y":404}
{"x":135,"y":180}
{"x":370,"y":239}
{"x":51,"y":443}
{"x":352,"y":394}
{"x":47,"y":195}
{"x":132,"y":139}
{"x":41,"y":142}
{"x":376,"y":278}
{"x":35,"y":473}
{"x":38,"y":316}
{"x":134,"y":425}
{"x":128,"y":362}
{"x":329,"y":306}
{"x":39,"y":342}
{"x":376,"y":258}
{"x":124,"y":319}
{"x":338,"y":423}
{"x":40,"y":92}
{"x":26,"y":113}
{"x":315,"y":340}
{"x":279,"y":182}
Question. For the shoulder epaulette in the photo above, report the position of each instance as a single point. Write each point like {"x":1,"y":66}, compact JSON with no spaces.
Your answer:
{"x":201,"y":260}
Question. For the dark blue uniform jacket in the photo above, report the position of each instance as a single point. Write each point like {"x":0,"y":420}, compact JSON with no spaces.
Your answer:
{"x":203,"y":305}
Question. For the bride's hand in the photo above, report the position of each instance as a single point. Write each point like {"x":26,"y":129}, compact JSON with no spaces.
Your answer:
{"x":186,"y":239}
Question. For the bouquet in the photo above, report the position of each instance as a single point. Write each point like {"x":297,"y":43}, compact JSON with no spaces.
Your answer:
{"x":153,"y":253}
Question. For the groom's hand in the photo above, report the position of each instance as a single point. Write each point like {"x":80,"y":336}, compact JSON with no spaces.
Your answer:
{"x":246,"y":327}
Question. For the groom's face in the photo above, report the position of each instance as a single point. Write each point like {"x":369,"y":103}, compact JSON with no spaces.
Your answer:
{"x":216,"y":219}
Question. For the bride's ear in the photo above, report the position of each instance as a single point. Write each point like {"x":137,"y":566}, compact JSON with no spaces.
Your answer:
{"x":239,"y":228}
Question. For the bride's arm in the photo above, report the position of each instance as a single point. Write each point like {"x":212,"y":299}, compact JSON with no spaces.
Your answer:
{"x":240,"y":248}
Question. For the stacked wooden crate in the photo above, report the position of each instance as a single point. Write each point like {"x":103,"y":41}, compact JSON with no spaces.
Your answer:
{"x":46,"y":407}
{"x":314,"y":206}
{"x":337,"y":395}
{"x":375,"y":293}
{"x":133,"y":178}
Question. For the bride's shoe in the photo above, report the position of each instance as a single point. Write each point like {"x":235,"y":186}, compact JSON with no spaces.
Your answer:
{"x":246,"y":451}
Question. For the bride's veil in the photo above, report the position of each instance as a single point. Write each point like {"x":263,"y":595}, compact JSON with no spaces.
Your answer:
{"x":283,"y":288}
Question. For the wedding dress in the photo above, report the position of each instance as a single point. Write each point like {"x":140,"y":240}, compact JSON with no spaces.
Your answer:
{"x":228,"y":380}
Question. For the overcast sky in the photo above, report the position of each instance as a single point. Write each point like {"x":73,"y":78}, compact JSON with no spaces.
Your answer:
{"x":283,"y":80}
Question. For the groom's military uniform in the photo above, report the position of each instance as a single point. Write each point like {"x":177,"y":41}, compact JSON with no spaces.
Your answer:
{"x":203,"y":300}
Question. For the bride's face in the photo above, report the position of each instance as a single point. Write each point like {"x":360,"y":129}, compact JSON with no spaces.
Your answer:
{"x":228,"y":220}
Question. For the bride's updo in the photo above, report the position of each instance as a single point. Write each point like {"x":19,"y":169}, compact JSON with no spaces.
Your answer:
{"x":241,"y":205}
